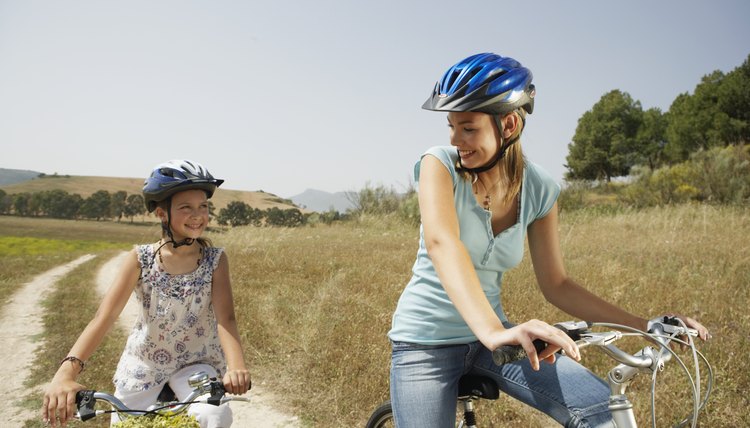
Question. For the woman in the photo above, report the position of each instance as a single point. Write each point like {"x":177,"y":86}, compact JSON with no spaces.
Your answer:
{"x":478,"y":200}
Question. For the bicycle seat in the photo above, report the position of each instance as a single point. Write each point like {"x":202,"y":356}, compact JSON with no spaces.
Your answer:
{"x":478,"y":386}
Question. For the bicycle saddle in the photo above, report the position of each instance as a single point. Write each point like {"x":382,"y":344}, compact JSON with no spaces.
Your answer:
{"x":478,"y":386}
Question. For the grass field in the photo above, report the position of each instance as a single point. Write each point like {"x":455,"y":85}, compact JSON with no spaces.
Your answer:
{"x":314,"y":304}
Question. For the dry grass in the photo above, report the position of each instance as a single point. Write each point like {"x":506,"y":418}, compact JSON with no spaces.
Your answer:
{"x":314,"y":305}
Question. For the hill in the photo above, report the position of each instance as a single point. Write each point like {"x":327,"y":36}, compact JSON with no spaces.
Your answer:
{"x":87,"y":185}
{"x":318,"y":200}
{"x":13,"y":176}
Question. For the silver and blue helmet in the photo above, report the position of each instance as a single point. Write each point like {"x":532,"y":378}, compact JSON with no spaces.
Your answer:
{"x":175,"y":176}
{"x":487,"y":83}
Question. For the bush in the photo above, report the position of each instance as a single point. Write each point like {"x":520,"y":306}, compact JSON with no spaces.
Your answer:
{"x":178,"y":421}
{"x":719,"y":175}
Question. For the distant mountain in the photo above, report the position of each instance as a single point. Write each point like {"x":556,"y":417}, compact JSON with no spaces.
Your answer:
{"x":320,"y":201}
{"x":13,"y":176}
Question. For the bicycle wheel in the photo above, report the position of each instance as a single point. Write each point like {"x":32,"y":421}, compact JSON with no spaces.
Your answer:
{"x":382,"y":417}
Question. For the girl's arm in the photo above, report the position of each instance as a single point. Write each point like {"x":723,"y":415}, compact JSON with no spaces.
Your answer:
{"x":59,"y":396}
{"x":568,"y":295}
{"x":457,"y":274}
{"x":237,"y":378}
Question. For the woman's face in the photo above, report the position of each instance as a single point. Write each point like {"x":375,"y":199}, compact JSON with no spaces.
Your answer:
{"x":475,"y":136}
{"x":189,"y":214}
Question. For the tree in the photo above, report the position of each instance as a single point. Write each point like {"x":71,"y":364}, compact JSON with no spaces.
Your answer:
{"x":97,"y":205}
{"x":236,"y":213}
{"x":605,"y":143}
{"x":134,"y":205}
{"x":694,"y":121}
{"x":21,"y":203}
{"x":734,"y":101}
{"x":652,"y":137}
{"x":117,"y":202}
{"x":291,"y":217}
{"x":5,"y":202}
{"x":61,"y":204}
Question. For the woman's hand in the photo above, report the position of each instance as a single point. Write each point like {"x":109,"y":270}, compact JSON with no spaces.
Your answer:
{"x":524,"y":334}
{"x":60,"y":401}
{"x":695,"y":325}
{"x":237,"y":381}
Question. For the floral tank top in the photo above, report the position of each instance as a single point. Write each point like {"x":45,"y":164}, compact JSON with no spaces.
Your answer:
{"x":176,"y":326}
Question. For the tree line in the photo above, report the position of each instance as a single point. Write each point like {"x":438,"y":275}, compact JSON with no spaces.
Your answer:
{"x":617,"y":135}
{"x":105,"y":205}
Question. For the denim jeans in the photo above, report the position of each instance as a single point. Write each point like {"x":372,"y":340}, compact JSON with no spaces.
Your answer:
{"x":424,"y":385}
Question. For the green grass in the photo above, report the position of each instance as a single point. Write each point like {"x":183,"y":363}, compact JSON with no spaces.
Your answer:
{"x":314,"y":305}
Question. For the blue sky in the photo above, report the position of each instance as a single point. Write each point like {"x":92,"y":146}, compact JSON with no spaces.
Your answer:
{"x":288,"y":95}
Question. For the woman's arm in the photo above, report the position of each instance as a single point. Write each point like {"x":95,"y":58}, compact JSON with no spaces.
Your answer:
{"x":457,"y":274}
{"x":59,"y":396}
{"x":565,"y":293}
{"x":561,"y":290}
{"x":237,"y":378}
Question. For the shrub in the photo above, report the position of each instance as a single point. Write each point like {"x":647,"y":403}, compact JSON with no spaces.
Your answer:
{"x":178,"y":421}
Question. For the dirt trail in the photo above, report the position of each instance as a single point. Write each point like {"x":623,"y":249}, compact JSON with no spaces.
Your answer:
{"x":258,"y":412}
{"x":21,"y":321}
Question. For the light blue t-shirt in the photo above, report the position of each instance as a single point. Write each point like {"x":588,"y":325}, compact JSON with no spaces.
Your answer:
{"x":425,"y":313}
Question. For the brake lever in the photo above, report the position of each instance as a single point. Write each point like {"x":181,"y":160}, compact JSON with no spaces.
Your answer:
{"x":598,"y":338}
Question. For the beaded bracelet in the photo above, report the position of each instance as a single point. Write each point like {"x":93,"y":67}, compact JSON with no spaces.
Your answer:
{"x":75,"y":359}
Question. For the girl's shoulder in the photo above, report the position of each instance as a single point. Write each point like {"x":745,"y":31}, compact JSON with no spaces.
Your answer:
{"x":213,"y":255}
{"x":145,"y":252}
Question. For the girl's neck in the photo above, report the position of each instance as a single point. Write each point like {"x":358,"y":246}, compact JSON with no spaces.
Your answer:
{"x":179,"y":260}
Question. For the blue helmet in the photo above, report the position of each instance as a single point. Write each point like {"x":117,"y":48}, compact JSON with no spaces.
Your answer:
{"x":487,"y":83}
{"x":175,"y":176}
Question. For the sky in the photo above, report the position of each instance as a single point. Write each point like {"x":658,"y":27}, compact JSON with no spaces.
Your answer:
{"x":282,"y":96}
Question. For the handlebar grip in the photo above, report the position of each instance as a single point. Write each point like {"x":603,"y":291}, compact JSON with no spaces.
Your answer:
{"x":509,"y":353}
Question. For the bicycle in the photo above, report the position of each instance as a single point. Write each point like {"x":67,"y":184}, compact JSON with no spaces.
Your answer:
{"x":167,"y":404}
{"x":662,"y":332}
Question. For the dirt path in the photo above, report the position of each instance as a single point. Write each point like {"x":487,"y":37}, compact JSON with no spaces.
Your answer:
{"x":258,"y":412}
{"x":21,"y":321}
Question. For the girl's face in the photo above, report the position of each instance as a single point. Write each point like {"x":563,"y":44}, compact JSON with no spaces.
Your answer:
{"x":475,"y":136}
{"x":189,"y":214}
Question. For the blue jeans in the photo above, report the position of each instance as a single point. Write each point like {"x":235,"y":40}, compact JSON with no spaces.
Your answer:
{"x":424,"y":385}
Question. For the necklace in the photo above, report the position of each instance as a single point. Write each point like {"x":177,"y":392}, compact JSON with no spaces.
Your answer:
{"x":487,"y":203}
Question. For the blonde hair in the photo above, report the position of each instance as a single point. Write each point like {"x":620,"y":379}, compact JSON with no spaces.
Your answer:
{"x":512,"y":164}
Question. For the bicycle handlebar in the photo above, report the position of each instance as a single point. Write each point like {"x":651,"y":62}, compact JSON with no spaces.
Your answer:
{"x":661,"y":331}
{"x":86,"y":400}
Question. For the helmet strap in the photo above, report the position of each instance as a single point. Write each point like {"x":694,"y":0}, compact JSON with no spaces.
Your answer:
{"x":168,"y":228}
{"x":500,"y":154}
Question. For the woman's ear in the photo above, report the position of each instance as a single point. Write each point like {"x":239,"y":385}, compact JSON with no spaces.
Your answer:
{"x":511,"y":122}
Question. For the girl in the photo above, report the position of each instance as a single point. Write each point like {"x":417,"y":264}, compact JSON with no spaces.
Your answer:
{"x":478,"y":199}
{"x":186,"y":322}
